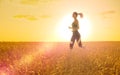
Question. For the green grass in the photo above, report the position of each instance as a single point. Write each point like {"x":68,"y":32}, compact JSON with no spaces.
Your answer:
{"x":97,"y":58}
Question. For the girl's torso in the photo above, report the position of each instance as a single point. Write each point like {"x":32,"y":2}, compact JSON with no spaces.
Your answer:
{"x":75,"y":25}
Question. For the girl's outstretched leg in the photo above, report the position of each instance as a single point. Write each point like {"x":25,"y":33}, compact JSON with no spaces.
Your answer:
{"x":79,"y":41}
{"x":72,"y":42}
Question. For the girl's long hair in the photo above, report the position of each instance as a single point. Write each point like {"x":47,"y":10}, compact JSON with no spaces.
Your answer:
{"x":81,"y":14}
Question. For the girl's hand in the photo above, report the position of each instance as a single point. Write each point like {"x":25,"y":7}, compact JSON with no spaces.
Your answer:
{"x":70,"y":27}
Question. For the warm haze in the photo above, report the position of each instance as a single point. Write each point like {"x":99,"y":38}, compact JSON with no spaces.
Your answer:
{"x":48,"y":20}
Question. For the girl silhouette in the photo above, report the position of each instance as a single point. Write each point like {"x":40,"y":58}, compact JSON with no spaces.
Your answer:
{"x":75,"y":26}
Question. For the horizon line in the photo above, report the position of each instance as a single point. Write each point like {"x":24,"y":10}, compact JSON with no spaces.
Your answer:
{"x":58,"y":41}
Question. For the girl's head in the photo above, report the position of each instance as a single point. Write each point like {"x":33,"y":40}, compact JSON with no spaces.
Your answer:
{"x":75,"y":14}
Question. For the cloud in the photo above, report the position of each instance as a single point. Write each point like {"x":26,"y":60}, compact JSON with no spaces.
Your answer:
{"x":30,"y":17}
{"x":27,"y":17}
{"x":47,"y":0}
{"x":31,"y":2}
{"x":10,"y":0}
{"x":107,"y":14}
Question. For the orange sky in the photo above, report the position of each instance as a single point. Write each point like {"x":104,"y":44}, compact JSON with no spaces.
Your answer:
{"x":36,"y":20}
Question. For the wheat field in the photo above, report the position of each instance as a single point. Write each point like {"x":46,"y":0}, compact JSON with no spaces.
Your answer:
{"x":43,"y":58}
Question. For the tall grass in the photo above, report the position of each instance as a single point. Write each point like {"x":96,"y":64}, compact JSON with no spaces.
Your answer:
{"x":57,"y":59}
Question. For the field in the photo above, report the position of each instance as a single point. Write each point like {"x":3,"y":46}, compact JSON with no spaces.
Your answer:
{"x":43,"y":58}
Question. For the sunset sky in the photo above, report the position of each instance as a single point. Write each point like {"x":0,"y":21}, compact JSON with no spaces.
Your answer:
{"x":40,"y":20}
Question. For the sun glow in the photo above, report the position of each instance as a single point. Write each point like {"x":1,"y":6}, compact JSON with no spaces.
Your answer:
{"x":85,"y":28}
{"x":64,"y":33}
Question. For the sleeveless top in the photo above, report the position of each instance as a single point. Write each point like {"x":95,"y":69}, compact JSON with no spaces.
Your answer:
{"x":75,"y":27}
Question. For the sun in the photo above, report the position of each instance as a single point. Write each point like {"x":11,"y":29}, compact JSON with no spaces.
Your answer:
{"x":64,"y":33}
